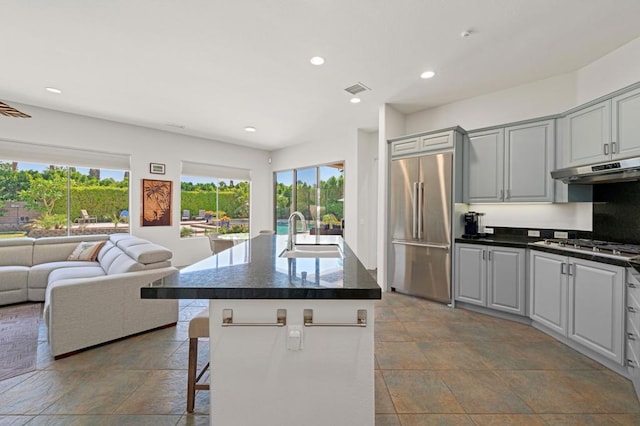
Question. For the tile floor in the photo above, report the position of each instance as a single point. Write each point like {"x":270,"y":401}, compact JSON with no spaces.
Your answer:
{"x":434,"y":365}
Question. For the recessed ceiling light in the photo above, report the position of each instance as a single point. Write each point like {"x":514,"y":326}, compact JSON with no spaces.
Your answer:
{"x":53,"y":90}
{"x":317,"y":60}
{"x":465,"y":34}
{"x":250,"y":129}
{"x":427,"y":74}
{"x":355,"y":100}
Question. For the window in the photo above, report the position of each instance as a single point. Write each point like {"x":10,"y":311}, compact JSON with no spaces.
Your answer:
{"x":318,"y":194}
{"x":38,"y":200}
{"x":214,"y":205}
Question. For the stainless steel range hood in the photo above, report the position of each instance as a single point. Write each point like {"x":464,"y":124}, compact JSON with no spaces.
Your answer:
{"x":610,"y":172}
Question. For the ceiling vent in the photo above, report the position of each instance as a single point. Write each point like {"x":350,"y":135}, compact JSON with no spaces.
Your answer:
{"x":357,"y":88}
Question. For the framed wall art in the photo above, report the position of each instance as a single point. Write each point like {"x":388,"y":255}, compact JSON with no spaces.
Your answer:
{"x":156,"y":202}
{"x":156,"y":168}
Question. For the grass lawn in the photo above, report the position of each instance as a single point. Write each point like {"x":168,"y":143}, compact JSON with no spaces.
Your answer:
{"x":17,"y":234}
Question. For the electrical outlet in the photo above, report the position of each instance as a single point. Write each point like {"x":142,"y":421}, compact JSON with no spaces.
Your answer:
{"x":488,"y":230}
{"x":560,"y":234}
{"x":533,"y":233}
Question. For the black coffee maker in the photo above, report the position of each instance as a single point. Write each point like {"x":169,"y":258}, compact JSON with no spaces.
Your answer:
{"x":472,"y":225}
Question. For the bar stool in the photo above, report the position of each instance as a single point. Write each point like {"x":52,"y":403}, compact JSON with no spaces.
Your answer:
{"x":198,"y":327}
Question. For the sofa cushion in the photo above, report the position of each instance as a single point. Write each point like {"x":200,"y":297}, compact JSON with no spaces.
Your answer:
{"x":86,"y":250}
{"x":148,"y":253}
{"x":13,"y":277}
{"x":39,"y":274}
{"x":108,"y":255}
{"x":117,"y":238}
{"x":16,"y":251}
{"x":54,"y":249}
{"x":123,"y":263}
{"x":75,"y":272}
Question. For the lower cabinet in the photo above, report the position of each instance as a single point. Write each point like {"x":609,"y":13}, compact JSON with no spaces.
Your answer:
{"x":579,"y":299}
{"x":491,"y":276}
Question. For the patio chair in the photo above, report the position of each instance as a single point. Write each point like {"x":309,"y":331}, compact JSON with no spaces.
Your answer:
{"x":201,"y":214}
{"x":86,"y":218}
{"x":186,"y":214}
{"x":219,"y":244}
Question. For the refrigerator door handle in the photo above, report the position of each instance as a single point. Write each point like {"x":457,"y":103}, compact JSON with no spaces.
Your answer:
{"x":426,"y":245}
{"x":420,"y":208}
{"x":414,"y":212}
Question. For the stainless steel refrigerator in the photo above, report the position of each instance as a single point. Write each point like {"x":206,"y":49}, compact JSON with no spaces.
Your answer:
{"x":421,"y":191}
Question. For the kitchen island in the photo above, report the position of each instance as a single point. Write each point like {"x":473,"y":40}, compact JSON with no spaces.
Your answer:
{"x":291,"y":339}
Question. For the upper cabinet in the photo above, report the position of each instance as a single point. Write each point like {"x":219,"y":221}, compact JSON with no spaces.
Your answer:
{"x":604,"y":131}
{"x":510,"y":164}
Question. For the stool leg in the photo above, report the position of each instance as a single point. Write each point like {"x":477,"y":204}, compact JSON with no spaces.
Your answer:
{"x":191,"y":373}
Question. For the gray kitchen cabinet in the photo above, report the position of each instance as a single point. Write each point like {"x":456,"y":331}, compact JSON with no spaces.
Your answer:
{"x":596,"y":317}
{"x":491,"y":276}
{"x":510,"y":164}
{"x":548,"y":290}
{"x":579,"y":299}
{"x":633,"y":329}
{"x":603,"y":131}
{"x":625,"y":111}
{"x":416,"y":144}
{"x":587,"y":134}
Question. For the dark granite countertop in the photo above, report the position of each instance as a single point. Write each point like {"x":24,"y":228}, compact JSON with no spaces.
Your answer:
{"x":526,"y":242}
{"x":515,"y":241}
{"x":253,"y":270}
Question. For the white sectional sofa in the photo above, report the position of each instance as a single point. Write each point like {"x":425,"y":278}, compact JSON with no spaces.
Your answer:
{"x":87,"y":302}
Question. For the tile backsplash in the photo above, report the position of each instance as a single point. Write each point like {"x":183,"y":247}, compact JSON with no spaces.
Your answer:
{"x":616,"y":212}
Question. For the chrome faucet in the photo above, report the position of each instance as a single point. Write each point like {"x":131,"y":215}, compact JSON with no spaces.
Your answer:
{"x":292,"y":228}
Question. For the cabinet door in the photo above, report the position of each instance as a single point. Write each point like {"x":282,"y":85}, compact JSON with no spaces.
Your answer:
{"x":588,"y":134}
{"x":506,"y":279}
{"x":484,"y":167}
{"x":405,"y":146}
{"x":470,"y":270}
{"x":596,"y":318}
{"x":548,"y":290}
{"x":625,"y":110}
{"x":529,"y":158}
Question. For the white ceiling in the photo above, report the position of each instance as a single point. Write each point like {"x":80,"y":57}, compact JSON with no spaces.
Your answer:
{"x":217,"y":66}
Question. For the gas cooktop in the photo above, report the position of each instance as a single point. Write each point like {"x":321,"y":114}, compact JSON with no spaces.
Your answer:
{"x":601,"y":248}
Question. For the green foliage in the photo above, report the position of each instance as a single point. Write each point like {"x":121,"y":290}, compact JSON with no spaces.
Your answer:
{"x":101,"y":201}
{"x":42,"y":193}
{"x":330,"y":219}
{"x":185,"y":232}
{"x":234,"y":202}
{"x":235,"y":229}
{"x":50,"y":221}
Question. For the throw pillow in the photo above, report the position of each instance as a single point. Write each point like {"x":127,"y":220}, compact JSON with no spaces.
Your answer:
{"x":86,"y":251}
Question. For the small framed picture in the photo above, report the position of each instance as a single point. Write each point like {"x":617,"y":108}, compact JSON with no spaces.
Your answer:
{"x":156,"y":168}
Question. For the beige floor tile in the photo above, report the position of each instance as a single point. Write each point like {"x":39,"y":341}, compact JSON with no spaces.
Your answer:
{"x":391,"y":331}
{"x":194,"y":420}
{"x":111,"y":420}
{"x":384,"y":313}
{"x":435,"y":419}
{"x":14,"y":420}
{"x":452,"y":356}
{"x":400,"y":355}
{"x":626,"y":419}
{"x":508,"y":420}
{"x":482,"y":391}
{"x":163,"y":392}
{"x":387,"y":420}
{"x":414,"y":391}
{"x":383,"y":399}
{"x":578,"y":419}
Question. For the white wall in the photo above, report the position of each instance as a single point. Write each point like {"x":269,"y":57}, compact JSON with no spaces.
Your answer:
{"x":550,"y":216}
{"x":613,"y":71}
{"x":537,"y":99}
{"x":49,"y":127}
{"x":367,"y":197}
{"x":311,"y":154}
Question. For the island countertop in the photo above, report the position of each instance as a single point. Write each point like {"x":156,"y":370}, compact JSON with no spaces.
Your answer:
{"x":254,"y":270}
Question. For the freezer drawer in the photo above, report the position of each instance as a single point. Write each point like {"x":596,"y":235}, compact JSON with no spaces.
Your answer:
{"x":422,"y":270}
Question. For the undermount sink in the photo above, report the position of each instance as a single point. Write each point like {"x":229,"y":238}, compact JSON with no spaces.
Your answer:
{"x":313,"y":250}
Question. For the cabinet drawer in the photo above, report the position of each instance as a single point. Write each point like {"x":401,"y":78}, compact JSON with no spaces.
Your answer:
{"x":403,"y":147}
{"x":440,"y":141}
{"x":631,"y":358}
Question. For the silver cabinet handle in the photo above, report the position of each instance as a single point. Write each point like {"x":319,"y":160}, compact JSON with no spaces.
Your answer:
{"x":570,"y":268}
{"x":606,"y":149}
{"x":361,"y":320}
{"x":490,"y":251}
{"x":631,"y":309}
{"x":563,"y":268}
{"x":632,"y":285}
{"x":502,"y":194}
{"x":613,"y":147}
{"x":420,"y":202}
{"x":414,"y":213}
{"x":508,"y":194}
{"x":227,"y":320}
{"x":631,"y":336}
{"x":484,"y":255}
{"x":630,"y":363}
